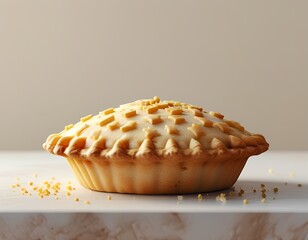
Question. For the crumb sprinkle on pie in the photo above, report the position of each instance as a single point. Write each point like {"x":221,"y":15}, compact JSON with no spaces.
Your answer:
{"x":157,"y":121}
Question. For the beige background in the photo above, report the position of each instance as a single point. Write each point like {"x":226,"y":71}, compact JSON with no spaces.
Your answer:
{"x":61,"y":60}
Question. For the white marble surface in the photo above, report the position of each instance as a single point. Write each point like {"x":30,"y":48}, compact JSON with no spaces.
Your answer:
{"x":284,"y":170}
{"x":158,"y":226}
{"x":128,"y":216}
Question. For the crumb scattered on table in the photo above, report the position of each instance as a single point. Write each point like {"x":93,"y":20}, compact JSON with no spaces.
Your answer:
{"x":180,"y":198}
{"x":221,"y":197}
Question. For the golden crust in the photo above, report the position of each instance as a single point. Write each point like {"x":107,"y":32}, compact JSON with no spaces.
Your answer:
{"x":170,"y":175}
{"x":149,"y":133}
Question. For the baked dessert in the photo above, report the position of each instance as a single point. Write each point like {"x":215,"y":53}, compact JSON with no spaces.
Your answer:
{"x":156,"y":147}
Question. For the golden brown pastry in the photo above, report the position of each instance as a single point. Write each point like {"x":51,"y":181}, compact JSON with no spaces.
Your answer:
{"x":156,"y":147}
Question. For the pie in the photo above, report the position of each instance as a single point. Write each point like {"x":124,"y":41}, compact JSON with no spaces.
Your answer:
{"x":156,"y":147}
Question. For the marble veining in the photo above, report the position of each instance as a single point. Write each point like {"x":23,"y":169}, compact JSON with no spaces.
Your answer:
{"x":158,"y":226}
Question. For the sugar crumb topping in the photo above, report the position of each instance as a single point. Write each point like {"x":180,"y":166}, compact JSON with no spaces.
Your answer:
{"x":181,"y":122}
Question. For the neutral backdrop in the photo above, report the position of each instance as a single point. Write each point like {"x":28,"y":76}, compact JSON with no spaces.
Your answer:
{"x":62,"y":60}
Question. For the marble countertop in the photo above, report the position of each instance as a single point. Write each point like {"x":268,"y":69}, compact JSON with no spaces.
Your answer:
{"x":284,"y":170}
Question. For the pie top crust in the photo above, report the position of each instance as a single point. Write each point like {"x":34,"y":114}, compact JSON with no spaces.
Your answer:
{"x":153,"y":129}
